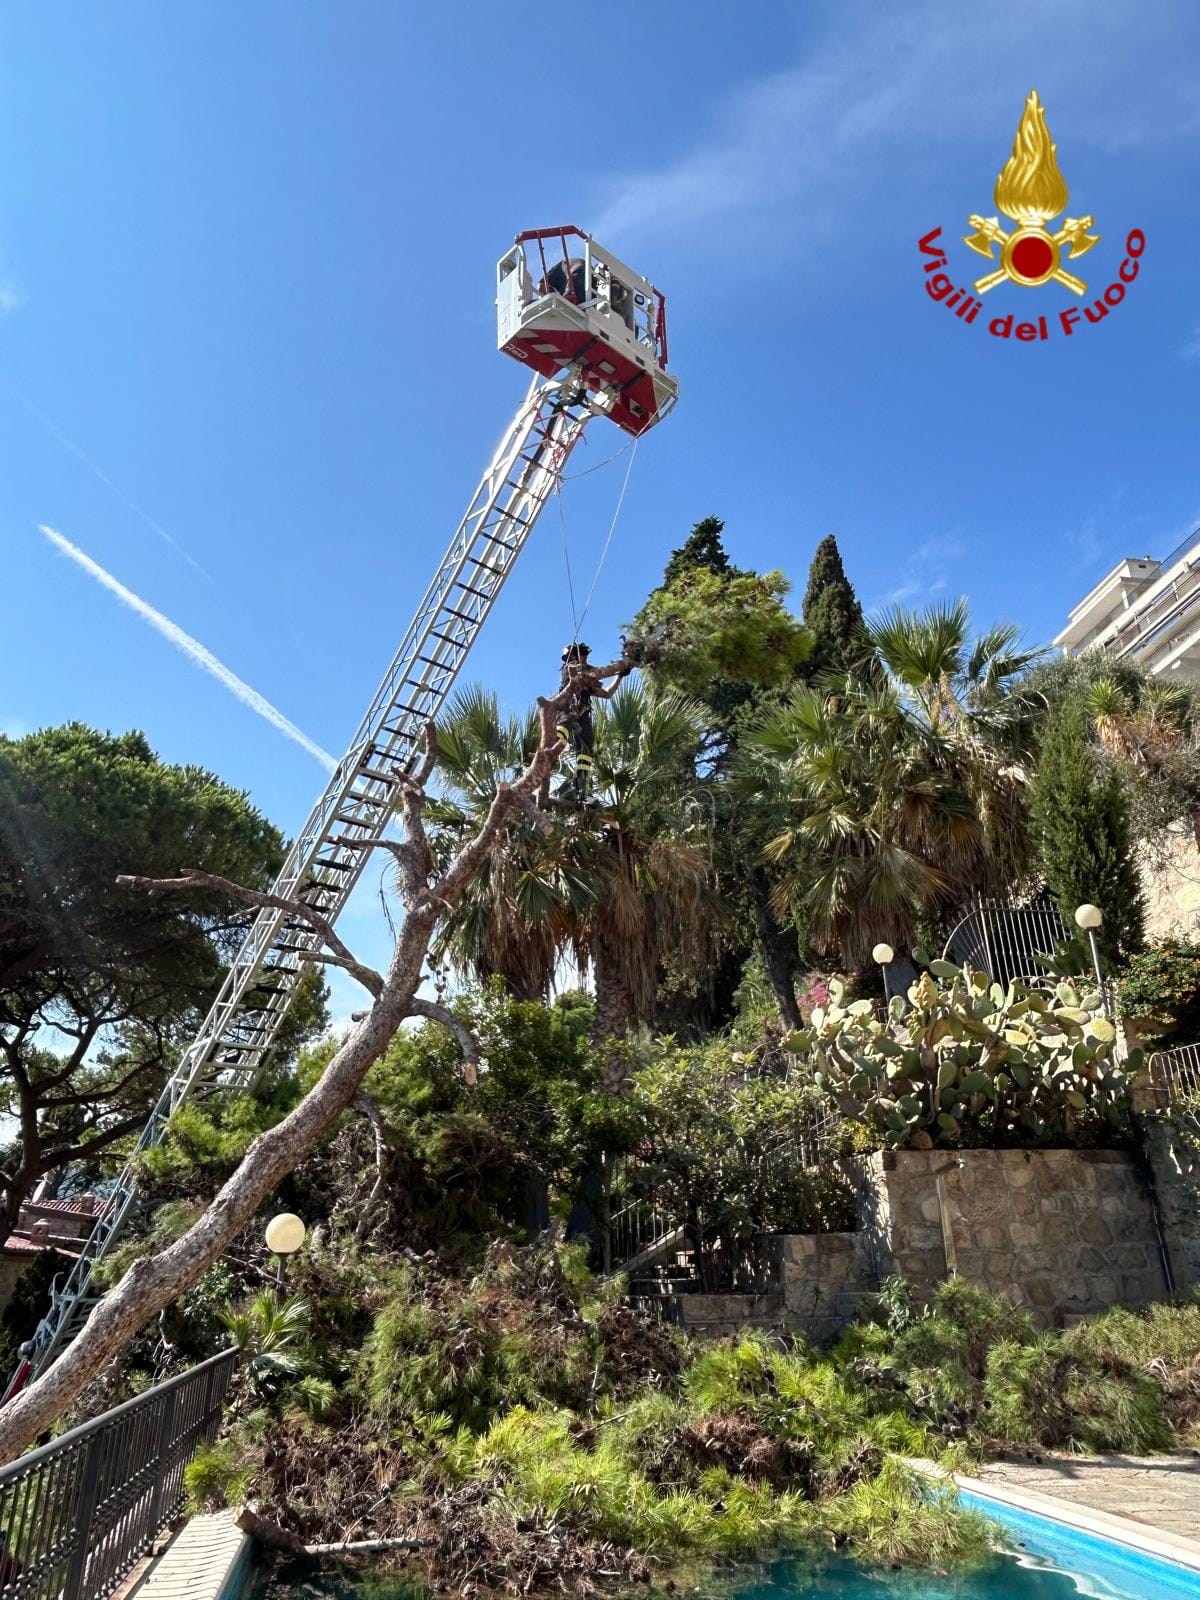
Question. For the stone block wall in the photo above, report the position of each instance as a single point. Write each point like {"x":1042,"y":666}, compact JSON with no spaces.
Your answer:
{"x":812,"y":1283}
{"x":824,"y":1279}
{"x":1171,"y":885}
{"x":1063,"y":1232}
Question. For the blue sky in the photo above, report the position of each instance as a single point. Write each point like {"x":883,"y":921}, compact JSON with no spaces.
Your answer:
{"x":247,"y":357}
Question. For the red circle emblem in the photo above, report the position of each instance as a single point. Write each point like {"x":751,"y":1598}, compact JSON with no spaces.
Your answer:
{"x":1032,"y":258}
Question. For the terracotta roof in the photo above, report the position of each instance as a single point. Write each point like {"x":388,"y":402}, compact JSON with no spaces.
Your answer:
{"x":83,"y":1205}
{"x":15,"y":1245}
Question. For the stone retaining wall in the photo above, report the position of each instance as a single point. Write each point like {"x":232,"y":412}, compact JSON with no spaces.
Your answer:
{"x":1064,"y":1232}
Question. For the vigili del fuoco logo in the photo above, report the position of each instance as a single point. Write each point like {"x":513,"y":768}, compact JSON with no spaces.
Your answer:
{"x":1030,"y":191}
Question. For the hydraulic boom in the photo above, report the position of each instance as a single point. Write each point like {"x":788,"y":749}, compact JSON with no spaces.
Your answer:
{"x":594,"y":333}
{"x":328,"y":855}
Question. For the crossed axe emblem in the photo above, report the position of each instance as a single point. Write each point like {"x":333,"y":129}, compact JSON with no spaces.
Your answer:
{"x":1074,"y":232}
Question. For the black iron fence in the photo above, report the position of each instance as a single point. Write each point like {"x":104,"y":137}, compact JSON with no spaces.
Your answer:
{"x":1007,"y":941}
{"x":76,"y":1515}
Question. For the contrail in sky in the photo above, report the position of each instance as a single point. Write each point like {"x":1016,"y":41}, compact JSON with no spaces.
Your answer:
{"x":56,"y":432}
{"x":192,"y":648}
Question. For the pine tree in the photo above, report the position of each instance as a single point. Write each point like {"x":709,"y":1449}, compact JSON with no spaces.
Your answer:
{"x":832,"y":613}
{"x":1081,"y":821}
{"x":702,"y":548}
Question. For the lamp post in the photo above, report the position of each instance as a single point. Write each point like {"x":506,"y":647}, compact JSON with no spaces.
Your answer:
{"x":885,"y":955}
{"x":284,"y":1235}
{"x":1089,"y":918}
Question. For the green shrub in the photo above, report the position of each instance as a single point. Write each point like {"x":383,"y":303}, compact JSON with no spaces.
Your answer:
{"x":721,"y":1148}
{"x":218,"y":1475}
{"x":1160,"y":991}
{"x":471,"y":1356}
{"x":1024,"y":1396}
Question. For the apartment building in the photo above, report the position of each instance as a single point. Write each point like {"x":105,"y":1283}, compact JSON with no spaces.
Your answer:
{"x":1145,"y":610}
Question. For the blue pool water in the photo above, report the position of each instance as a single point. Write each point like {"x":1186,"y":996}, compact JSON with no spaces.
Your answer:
{"x":1041,"y":1560}
{"x":1097,"y":1567}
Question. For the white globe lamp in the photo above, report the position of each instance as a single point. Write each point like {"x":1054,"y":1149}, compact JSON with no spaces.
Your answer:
{"x":884,"y":954}
{"x":285,"y":1234}
{"x":1089,"y":918}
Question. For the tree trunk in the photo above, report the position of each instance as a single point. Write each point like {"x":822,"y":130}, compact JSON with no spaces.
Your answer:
{"x":614,"y":1003}
{"x":778,"y":946}
{"x":14,"y":1199}
{"x":157,"y":1281}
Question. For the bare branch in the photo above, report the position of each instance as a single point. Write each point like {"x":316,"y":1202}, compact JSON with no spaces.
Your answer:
{"x":371,"y":980}
{"x":194,"y":878}
{"x":382,"y":1161}
{"x":533,"y":808}
{"x":429,"y":764}
{"x":467,"y":1042}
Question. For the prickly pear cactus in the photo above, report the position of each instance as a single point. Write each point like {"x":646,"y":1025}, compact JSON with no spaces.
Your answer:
{"x":968,"y":1059}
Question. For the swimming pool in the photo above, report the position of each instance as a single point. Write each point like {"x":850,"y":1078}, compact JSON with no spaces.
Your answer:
{"x":1118,"y":1568}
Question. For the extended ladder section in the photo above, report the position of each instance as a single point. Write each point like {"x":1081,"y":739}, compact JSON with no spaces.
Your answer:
{"x":331,"y":850}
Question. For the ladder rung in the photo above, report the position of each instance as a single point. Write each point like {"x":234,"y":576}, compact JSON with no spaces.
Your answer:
{"x":478,"y":594}
{"x":377,"y":776}
{"x":349,"y":819}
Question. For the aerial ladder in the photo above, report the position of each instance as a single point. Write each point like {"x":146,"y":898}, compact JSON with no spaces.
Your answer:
{"x":594,"y":333}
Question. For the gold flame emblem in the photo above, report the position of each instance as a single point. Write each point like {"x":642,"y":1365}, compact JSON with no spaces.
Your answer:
{"x":1030,"y":190}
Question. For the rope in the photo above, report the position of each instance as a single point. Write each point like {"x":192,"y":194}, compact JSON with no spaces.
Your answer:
{"x":612,"y":528}
{"x":567,"y":563}
{"x":616,"y":455}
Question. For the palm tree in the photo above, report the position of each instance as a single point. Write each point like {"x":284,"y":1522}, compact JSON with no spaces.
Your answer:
{"x":520,"y":910}
{"x":621,"y":881}
{"x":897,"y":791}
{"x":971,"y":701}
{"x":647,"y":854}
{"x":263,"y":1330}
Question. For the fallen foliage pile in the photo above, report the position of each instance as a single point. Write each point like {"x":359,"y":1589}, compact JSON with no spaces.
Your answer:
{"x":528,"y":1431}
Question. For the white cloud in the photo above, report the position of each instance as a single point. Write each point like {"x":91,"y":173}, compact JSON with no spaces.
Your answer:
{"x":10,"y":297}
{"x":1191,"y":350}
{"x":884,"y":102}
{"x":923,"y":574}
{"x":193,"y":649}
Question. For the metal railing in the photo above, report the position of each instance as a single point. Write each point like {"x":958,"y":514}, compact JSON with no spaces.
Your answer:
{"x":1177,"y":1071}
{"x":648,"y":1221}
{"x":1007,"y":941}
{"x":77,"y":1515}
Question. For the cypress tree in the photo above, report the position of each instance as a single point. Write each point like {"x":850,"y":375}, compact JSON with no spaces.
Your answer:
{"x":832,"y":613}
{"x":702,"y":548}
{"x":1081,"y":822}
